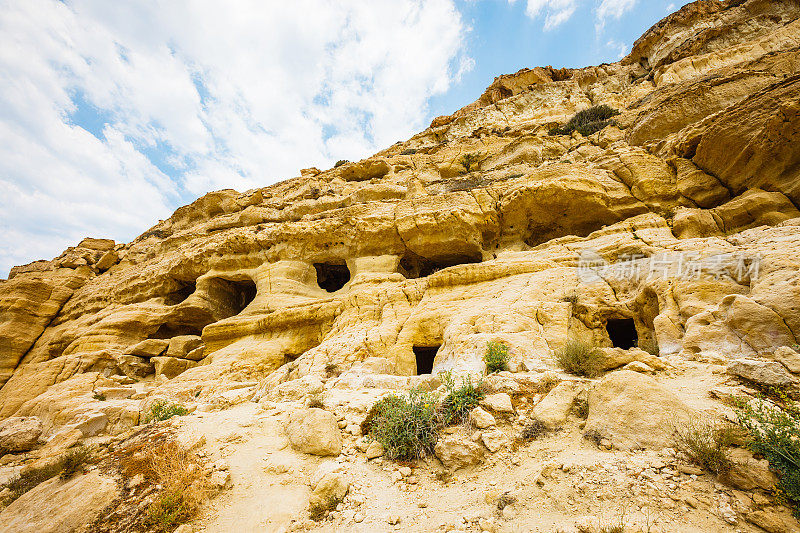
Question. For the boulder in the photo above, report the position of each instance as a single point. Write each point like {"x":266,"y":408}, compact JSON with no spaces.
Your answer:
{"x":494,"y":439}
{"x":553,"y":410}
{"x":170,"y":367}
{"x":314,"y":431}
{"x":19,"y":433}
{"x":633,"y":410}
{"x":499,"y":403}
{"x":134,"y":366}
{"x":181,"y":345}
{"x":374,"y":450}
{"x":328,"y":483}
{"x":458,"y":451}
{"x":297,"y":389}
{"x":481,"y":419}
{"x":149,"y":348}
{"x":774,"y":520}
{"x":748,"y":473}
{"x":55,"y":506}
{"x":788,"y":358}
{"x":769,"y":373}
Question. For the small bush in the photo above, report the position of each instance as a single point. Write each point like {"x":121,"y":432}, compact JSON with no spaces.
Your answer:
{"x":594,"y":436}
{"x":580,"y":358}
{"x":315,"y":401}
{"x":340,"y":163}
{"x":406,"y":427}
{"x":496,"y":357}
{"x":571,"y":298}
{"x":469,"y":161}
{"x":581,"y":408}
{"x":163,"y":410}
{"x":706,"y":444}
{"x":99,"y":396}
{"x":409,"y":151}
{"x":505,"y":500}
{"x":318,"y":510}
{"x":458,"y":403}
{"x":533,"y":430}
{"x":775,"y":434}
{"x":74,"y":460}
{"x":332,"y":369}
{"x":587,"y":121}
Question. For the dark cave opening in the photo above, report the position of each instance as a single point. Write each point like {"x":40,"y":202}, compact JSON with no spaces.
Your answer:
{"x":413,"y":266}
{"x":332,"y":276}
{"x":622,"y":332}
{"x":242,"y":293}
{"x":167,"y":331}
{"x":425,"y":356}
{"x":231,"y":296}
{"x":183,"y":290}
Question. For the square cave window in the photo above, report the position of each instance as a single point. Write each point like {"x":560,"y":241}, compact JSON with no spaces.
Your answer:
{"x":425,"y":356}
{"x":622,"y":332}
{"x":332,"y":277}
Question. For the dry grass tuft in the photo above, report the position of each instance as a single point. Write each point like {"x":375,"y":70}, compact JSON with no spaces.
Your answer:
{"x":706,"y":444}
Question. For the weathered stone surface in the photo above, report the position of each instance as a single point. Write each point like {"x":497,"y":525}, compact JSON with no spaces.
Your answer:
{"x":481,"y":419}
{"x":314,"y":431}
{"x":374,"y":450}
{"x":19,"y":434}
{"x":181,"y":345}
{"x":748,"y":473}
{"x":456,"y":451}
{"x":170,"y":366}
{"x":499,"y":403}
{"x":150,"y":348}
{"x":789,"y":358}
{"x":494,"y":439}
{"x":770,"y":373}
{"x":53,"y":507}
{"x":553,"y":410}
{"x":328,"y":482}
{"x":633,"y":410}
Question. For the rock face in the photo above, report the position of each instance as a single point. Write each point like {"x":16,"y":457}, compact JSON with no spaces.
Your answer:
{"x":53,"y":507}
{"x":409,"y":261}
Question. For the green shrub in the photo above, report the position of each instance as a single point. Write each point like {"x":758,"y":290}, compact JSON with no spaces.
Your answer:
{"x":168,"y":509}
{"x":28,"y":479}
{"x":315,"y":401}
{"x":99,"y":396}
{"x":580,"y":358}
{"x":496,"y":357}
{"x":409,"y":151}
{"x":318,"y":510}
{"x":468,"y":161}
{"x":74,"y":460}
{"x":340,"y":163}
{"x":775,"y":434}
{"x":459,"y":401}
{"x":163,"y":409}
{"x":706,"y":444}
{"x":587,"y":121}
{"x":406,"y":427}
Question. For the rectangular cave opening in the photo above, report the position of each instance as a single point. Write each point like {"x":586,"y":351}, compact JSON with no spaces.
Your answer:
{"x":425,"y":356}
{"x":332,"y":276}
{"x":622,"y":332}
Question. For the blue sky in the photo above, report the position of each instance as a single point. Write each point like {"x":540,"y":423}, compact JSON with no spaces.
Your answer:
{"x":112,"y":114}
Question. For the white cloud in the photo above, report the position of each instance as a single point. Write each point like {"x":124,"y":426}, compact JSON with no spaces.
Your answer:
{"x":620,"y":48}
{"x":555,"y":12}
{"x":198,"y":95}
{"x":613,"y":9}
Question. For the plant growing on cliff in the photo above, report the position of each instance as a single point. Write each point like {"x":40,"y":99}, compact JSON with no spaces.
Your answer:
{"x":587,"y":121}
{"x":468,"y":161}
{"x":496,"y":357}
{"x":459,"y":401}
{"x":74,"y":460}
{"x":580,"y":358}
{"x":775,"y":434}
{"x":406,"y":426}
{"x":705,"y":444}
{"x":340,"y":163}
{"x":163,"y":410}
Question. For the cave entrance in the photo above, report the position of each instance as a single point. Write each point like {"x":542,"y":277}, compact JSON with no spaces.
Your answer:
{"x":413,"y":266}
{"x":425,"y":356}
{"x":622,"y":332}
{"x":167,"y":331}
{"x":231,"y":296}
{"x":183,"y":290}
{"x":332,"y":276}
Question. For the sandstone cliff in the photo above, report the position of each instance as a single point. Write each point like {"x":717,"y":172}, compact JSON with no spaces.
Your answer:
{"x":474,"y":230}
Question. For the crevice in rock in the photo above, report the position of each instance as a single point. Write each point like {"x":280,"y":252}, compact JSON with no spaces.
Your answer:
{"x":413,"y":266}
{"x":183,"y":290}
{"x":332,"y":276}
{"x":167,"y":331}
